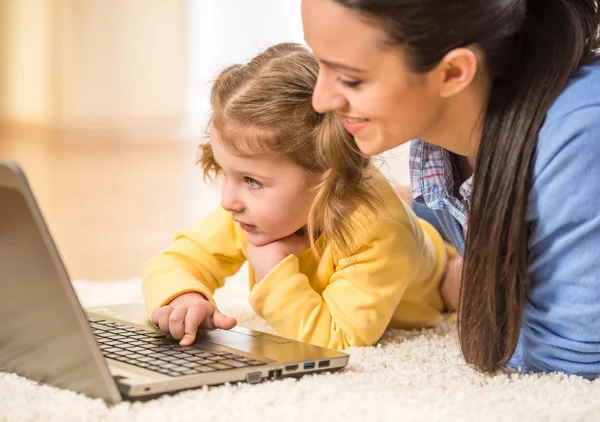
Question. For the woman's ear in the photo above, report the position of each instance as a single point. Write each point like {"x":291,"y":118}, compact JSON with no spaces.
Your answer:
{"x":456,"y":71}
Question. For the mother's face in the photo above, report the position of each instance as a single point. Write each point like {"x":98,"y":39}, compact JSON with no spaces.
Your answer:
{"x":366,"y":80}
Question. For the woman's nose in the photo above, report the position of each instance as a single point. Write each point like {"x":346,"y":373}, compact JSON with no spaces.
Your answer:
{"x":327,"y":96}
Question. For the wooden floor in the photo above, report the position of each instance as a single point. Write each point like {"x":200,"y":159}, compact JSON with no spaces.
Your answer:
{"x":110,"y":206}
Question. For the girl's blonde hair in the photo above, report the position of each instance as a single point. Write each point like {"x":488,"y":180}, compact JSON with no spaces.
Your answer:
{"x":265,"y":108}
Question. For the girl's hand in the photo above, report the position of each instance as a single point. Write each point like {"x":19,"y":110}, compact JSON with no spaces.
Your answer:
{"x":264,"y":258}
{"x":184,"y":314}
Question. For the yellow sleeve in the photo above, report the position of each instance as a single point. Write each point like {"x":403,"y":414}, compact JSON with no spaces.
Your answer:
{"x":199,"y":260}
{"x":422,"y":304}
{"x":362,"y":295}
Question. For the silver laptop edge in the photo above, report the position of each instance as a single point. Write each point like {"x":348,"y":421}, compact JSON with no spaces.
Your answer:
{"x":46,"y":335}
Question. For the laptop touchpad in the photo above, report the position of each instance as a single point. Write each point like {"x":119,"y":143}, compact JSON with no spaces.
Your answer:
{"x":238,"y":340}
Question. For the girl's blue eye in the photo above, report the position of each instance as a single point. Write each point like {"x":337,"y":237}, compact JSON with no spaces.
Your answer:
{"x":252,"y":183}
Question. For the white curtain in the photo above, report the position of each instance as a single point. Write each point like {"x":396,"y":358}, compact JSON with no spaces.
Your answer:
{"x":223,"y":32}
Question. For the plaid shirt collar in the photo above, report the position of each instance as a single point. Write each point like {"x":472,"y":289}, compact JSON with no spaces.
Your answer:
{"x":433,"y":182}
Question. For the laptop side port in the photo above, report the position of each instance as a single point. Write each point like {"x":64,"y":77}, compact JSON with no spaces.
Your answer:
{"x":309,"y":365}
{"x":275,"y":374}
{"x":254,"y":377}
{"x":324,"y":364}
{"x":291,"y":368}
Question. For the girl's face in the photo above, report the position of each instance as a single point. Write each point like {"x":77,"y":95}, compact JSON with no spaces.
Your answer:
{"x":382,"y":102}
{"x":269,"y":197}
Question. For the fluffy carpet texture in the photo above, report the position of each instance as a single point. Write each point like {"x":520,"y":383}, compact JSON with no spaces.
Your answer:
{"x":408,"y":376}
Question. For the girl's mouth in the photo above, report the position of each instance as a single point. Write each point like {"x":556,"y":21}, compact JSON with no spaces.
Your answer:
{"x":247,"y":227}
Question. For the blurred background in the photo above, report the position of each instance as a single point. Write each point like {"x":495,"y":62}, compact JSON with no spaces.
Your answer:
{"x":103,"y":103}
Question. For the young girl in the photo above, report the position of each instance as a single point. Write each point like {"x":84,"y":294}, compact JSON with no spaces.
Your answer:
{"x":335,"y":256}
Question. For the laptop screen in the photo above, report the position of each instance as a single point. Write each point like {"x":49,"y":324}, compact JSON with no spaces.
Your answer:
{"x":43,"y":333}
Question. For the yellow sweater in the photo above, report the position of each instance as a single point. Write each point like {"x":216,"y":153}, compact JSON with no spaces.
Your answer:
{"x":392,"y":277}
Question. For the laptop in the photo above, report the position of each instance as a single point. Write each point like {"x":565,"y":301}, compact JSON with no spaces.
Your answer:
{"x":113,"y":353}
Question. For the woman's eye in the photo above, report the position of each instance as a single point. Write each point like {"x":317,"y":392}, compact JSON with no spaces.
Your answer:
{"x":253,"y":183}
{"x":350,"y":84}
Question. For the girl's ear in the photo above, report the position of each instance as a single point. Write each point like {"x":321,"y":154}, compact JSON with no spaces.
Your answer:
{"x":315,"y":179}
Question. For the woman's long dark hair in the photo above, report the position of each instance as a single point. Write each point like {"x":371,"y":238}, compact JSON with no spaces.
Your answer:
{"x":531,"y":49}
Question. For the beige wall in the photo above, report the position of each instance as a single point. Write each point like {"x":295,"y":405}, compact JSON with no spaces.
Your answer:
{"x":26,"y":61}
{"x":93,"y":64}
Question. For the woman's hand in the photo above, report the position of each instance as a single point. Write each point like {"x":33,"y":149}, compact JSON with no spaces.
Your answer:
{"x":450,"y":285}
{"x":184,"y":314}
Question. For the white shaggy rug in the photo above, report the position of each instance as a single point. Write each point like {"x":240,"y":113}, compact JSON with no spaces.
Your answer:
{"x":409,"y":376}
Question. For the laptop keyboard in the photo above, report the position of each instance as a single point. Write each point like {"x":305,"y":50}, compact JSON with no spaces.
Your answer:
{"x":160,"y":353}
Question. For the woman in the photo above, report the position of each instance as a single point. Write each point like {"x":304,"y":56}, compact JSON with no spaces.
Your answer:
{"x":505,"y":95}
